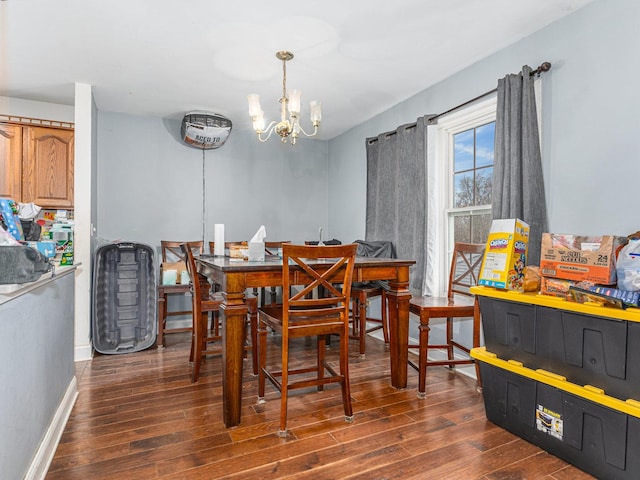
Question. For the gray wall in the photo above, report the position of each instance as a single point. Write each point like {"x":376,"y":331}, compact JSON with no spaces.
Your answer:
{"x":589,"y":121}
{"x":36,"y":368}
{"x":150,"y":184}
{"x":590,"y":101}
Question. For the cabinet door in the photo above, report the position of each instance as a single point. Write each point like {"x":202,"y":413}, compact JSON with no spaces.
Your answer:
{"x":11,"y":161}
{"x":47,"y":178}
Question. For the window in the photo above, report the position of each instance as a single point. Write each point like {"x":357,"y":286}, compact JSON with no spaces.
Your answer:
{"x":462,"y":169}
{"x":472,"y":175}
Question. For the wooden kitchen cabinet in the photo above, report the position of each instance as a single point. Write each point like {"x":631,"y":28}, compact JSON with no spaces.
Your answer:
{"x":11,"y":161}
{"x":36,"y":165}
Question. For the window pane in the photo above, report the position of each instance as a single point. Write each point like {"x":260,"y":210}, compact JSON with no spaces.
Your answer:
{"x":463,"y":151}
{"x":480,"y":225}
{"x":462,"y":229}
{"x":483,"y":187}
{"x":463,"y":189}
{"x":485,"y":136}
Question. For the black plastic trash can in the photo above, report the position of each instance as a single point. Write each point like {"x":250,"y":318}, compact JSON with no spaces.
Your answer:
{"x":123,"y":298}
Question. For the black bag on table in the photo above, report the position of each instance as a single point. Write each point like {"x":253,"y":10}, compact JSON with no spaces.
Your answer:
{"x":22,"y":264}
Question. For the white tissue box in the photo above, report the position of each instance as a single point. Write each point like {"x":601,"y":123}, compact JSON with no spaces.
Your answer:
{"x":256,"y":251}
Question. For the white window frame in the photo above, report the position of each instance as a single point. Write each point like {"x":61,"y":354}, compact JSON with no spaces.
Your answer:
{"x":477,"y":114}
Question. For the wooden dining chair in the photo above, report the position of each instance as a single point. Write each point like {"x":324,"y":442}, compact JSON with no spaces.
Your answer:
{"x":204,"y":339}
{"x":459,"y":303}
{"x":172,"y":252}
{"x":363,"y":292}
{"x":203,"y":342}
{"x":274,"y":249}
{"x":252,"y":304}
{"x":303,"y":316}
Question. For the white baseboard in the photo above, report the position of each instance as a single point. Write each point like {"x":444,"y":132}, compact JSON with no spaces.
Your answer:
{"x":47,"y":448}
{"x":82,"y":353}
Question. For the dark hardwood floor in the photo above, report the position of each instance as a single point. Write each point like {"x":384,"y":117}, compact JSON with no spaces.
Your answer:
{"x":138,"y":416}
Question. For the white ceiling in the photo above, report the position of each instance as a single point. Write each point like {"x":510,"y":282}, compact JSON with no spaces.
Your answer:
{"x":166,"y":57}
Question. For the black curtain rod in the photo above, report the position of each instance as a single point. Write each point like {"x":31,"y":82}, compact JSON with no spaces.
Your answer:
{"x":544,"y":67}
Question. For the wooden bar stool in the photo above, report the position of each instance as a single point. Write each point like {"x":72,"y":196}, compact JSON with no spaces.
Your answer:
{"x":459,"y":303}
{"x":172,"y":252}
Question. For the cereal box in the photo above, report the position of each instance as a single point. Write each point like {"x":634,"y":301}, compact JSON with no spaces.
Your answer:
{"x":505,"y":255}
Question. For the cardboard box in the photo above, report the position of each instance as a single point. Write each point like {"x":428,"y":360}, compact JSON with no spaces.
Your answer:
{"x":580,"y":258}
{"x":505,"y":255}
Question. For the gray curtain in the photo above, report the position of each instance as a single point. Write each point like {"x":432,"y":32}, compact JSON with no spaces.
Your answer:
{"x":397,"y":195}
{"x":518,"y":185}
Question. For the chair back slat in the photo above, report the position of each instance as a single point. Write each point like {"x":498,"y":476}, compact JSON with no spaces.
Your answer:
{"x":172,"y":250}
{"x":321,"y":266}
{"x":465,"y":268}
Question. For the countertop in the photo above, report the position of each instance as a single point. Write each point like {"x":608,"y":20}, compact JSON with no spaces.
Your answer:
{"x":14,"y":290}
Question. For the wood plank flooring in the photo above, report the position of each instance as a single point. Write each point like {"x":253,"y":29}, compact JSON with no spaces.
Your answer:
{"x":139,"y":416}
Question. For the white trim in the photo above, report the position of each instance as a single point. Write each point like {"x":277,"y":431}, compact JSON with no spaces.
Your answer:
{"x":474,"y":115}
{"x":82,"y":353}
{"x":434,"y":206}
{"x":47,"y":448}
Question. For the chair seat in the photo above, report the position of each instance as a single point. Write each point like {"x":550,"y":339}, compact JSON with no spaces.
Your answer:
{"x":458,"y":306}
{"x":322,"y":325}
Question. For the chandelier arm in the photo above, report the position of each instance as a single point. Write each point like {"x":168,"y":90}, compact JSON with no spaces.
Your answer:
{"x":315,"y":130}
{"x":269,"y":131}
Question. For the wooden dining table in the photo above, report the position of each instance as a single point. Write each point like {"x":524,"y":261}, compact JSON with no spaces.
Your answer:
{"x":235,"y":277}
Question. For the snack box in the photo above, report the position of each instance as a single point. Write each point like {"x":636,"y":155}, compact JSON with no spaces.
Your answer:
{"x":505,"y":256}
{"x":48,"y":249}
{"x":9,"y":214}
{"x":580,"y":258}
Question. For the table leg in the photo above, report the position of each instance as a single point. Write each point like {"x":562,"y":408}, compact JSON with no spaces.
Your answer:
{"x":398,"y":300}
{"x":233,"y":313}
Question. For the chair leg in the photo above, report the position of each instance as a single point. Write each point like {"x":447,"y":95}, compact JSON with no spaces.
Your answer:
{"x":253,"y":327}
{"x":198,"y":337}
{"x":322,"y":346}
{"x":476,"y":341}
{"x":362,"y":314}
{"x":284,"y":394}
{"x":344,"y":371}
{"x":354,"y":317}
{"x":193,"y":345}
{"x":383,"y":313}
{"x":422,"y":355}
{"x":449,"y":339}
{"x":262,"y":359}
{"x":162,"y":315}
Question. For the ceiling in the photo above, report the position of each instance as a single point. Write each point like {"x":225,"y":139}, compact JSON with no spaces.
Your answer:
{"x":166,"y":57}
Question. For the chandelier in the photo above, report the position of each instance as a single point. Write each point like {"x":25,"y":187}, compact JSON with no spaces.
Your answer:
{"x":288,"y":126}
